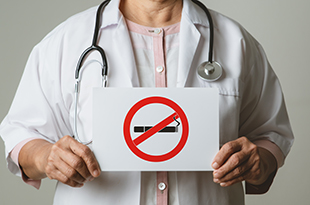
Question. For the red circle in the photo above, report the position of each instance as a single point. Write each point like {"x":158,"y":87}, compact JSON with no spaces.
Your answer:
{"x":132,"y":112}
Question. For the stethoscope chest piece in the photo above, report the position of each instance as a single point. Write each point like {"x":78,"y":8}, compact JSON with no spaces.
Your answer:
{"x":210,"y":71}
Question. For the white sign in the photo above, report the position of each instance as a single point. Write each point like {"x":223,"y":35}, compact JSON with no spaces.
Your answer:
{"x":155,"y":129}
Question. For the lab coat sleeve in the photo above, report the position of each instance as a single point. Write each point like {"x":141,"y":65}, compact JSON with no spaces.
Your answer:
{"x":263,"y":111}
{"x":37,"y":110}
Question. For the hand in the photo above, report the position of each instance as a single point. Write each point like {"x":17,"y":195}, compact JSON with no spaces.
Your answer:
{"x":67,"y":161}
{"x":240,"y":160}
{"x":71,"y":163}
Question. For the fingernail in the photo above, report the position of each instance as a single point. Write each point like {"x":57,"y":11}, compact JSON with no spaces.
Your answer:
{"x":215,"y":174}
{"x":223,"y":184}
{"x":96,"y":173}
{"x":91,"y":178}
{"x":216,"y":180}
{"x":215,"y":165}
{"x":79,"y":185}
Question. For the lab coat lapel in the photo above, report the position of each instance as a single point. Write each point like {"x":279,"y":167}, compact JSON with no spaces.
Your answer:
{"x":125,"y":52}
{"x":189,"y":39}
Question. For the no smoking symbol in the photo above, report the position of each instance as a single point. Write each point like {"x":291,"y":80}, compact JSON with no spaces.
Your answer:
{"x":178,"y":113}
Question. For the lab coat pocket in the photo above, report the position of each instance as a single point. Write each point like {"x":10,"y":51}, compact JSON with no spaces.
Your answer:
{"x":227,"y":86}
{"x":230,"y":94}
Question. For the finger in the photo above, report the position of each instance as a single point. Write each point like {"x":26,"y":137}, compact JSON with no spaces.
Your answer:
{"x":235,"y":173}
{"x":88,"y":157}
{"x":231,"y":182}
{"x":233,"y":165}
{"x":225,"y":152}
{"x":59,"y":159}
{"x":235,"y":180}
{"x":73,"y":167}
{"x":53,"y":172}
{"x":58,"y":175}
{"x":73,"y":159}
{"x":78,"y":164}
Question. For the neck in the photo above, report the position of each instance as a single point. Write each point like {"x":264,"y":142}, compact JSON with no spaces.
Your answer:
{"x":152,"y":13}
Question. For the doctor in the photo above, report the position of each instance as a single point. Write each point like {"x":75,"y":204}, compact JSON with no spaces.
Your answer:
{"x":149,"y":44}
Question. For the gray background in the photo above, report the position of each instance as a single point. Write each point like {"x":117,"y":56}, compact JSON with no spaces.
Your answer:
{"x":281,"y":26}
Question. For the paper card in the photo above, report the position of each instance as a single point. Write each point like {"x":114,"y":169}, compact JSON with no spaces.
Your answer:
{"x":155,"y":129}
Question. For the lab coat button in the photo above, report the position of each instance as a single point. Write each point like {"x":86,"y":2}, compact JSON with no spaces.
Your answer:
{"x":157,"y":30}
{"x":161,"y":186}
{"x":160,"y":69}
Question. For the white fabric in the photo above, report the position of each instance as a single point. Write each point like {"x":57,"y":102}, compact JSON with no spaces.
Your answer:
{"x":251,"y":101}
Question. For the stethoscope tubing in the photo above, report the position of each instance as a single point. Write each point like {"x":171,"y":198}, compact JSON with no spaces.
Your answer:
{"x":211,"y":27}
{"x":104,"y":70}
{"x":94,"y":46}
{"x":85,"y":54}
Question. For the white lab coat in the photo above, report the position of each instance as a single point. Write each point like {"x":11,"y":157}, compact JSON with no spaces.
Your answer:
{"x":251,"y":101}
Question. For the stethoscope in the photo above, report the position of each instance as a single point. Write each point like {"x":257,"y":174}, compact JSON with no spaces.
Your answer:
{"x":207,"y":71}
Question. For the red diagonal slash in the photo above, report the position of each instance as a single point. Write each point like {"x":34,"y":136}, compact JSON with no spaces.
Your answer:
{"x":155,"y":129}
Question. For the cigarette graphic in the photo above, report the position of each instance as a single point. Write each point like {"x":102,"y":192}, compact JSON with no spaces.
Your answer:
{"x":167,"y":129}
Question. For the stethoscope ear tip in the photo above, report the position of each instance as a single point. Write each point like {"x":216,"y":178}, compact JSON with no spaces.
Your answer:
{"x":208,"y":71}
